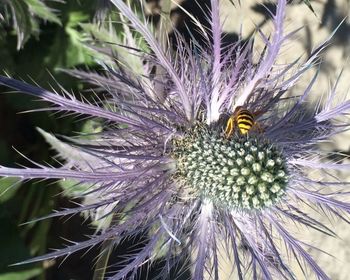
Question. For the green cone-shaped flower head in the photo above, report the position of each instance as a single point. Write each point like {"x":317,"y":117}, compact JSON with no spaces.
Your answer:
{"x":245,"y":171}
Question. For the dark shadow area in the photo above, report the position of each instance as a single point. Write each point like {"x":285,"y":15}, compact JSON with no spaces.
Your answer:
{"x":332,"y":16}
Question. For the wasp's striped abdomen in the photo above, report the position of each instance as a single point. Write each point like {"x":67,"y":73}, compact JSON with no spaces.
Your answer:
{"x":244,"y":120}
{"x":241,"y":119}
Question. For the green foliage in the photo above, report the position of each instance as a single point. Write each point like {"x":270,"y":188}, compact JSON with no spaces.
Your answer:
{"x":25,"y":15}
{"x":22,"y":275}
{"x":71,"y":40}
{"x":8,"y":188}
{"x":35,"y":40}
{"x":42,"y":11}
{"x":21,"y":21}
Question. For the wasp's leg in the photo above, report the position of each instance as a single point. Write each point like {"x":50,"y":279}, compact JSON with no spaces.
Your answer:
{"x":230,"y":125}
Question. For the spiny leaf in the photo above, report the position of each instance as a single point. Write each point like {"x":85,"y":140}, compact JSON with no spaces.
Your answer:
{"x":39,"y":8}
{"x":102,"y":261}
{"x":21,"y":21}
{"x":114,"y":41}
{"x":24,"y":15}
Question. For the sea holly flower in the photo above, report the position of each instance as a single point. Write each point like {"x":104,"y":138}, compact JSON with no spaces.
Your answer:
{"x":167,"y":163}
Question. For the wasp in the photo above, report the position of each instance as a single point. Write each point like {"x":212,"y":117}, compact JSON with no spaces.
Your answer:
{"x":243,"y":119}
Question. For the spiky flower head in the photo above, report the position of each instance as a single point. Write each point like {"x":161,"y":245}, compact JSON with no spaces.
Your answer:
{"x":168,"y":162}
{"x":237,"y":173}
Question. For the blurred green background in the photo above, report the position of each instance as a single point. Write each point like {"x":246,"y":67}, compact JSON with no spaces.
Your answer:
{"x":36,"y":39}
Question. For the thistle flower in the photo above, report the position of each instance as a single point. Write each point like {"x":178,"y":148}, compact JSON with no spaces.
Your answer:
{"x":168,"y":164}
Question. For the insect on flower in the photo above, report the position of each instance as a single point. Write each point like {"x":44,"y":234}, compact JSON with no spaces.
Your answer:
{"x":243,"y":120}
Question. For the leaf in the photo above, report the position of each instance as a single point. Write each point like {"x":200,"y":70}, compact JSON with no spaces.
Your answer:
{"x":102,"y":36}
{"x":77,"y":52}
{"x":112,"y":38}
{"x":164,"y":26}
{"x":71,"y":155}
{"x":22,"y":274}
{"x":39,"y":8}
{"x":21,"y":21}
{"x":8,"y":188}
{"x":24,"y":16}
{"x":73,"y":188}
{"x":67,"y":151}
{"x":102,"y":260}
{"x":68,"y":48}
{"x":91,"y":127}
